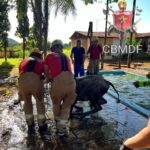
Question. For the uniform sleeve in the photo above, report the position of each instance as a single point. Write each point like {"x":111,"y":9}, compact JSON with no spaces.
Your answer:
{"x":23,"y":65}
{"x":47,"y":59}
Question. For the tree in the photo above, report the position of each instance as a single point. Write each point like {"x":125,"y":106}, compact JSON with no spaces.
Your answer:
{"x":31,"y":42}
{"x":135,"y":43}
{"x":23,"y":22}
{"x":5,"y":44}
{"x":4,"y":24}
{"x":41,"y":16}
{"x":40,"y":10}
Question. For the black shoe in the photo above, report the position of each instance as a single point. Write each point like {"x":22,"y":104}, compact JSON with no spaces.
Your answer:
{"x":62,"y":132}
{"x":16,"y":101}
{"x":43,"y":130}
{"x":31,"y":129}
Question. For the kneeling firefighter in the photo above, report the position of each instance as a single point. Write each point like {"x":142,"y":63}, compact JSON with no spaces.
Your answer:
{"x":30,"y":84}
{"x":58,"y":70}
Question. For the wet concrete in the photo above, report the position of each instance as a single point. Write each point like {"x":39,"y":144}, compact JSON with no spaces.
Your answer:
{"x":104,"y":130}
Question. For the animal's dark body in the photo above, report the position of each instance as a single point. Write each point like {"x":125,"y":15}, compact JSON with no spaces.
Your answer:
{"x":91,"y":88}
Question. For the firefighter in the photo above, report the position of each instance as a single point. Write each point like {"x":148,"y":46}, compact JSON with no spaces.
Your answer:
{"x":58,"y":70}
{"x":30,"y":84}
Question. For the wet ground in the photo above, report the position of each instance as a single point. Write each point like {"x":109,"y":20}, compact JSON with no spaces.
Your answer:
{"x":104,"y":130}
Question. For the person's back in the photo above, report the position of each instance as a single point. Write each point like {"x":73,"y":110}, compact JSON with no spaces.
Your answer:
{"x":53,"y":61}
{"x":30,"y":69}
{"x":58,"y":70}
{"x":30,"y":84}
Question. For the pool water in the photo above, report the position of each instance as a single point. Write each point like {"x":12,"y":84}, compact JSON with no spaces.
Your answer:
{"x":124,"y":85}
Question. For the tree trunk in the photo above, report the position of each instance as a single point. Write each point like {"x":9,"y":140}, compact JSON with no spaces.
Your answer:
{"x":24,"y":47}
{"x":5,"y":50}
{"x":45,"y":26}
{"x":38,"y":21}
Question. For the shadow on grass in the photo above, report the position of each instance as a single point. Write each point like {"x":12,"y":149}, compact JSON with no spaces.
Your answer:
{"x":5,"y":69}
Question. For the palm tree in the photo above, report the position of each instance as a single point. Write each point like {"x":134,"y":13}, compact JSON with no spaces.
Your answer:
{"x":41,"y":16}
{"x":64,"y":6}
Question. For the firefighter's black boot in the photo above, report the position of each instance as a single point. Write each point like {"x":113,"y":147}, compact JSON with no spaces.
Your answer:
{"x":31,"y":128}
{"x":44,"y":133}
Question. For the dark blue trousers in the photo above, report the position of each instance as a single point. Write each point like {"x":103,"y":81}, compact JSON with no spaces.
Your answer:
{"x":78,"y":70}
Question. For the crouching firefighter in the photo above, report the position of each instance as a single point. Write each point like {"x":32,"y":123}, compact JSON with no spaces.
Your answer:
{"x":30,"y":84}
{"x":58,"y":70}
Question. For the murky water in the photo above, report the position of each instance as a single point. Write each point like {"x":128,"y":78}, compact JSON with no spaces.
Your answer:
{"x":104,"y":130}
{"x":124,"y":84}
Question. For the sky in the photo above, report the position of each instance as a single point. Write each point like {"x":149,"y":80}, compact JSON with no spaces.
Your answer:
{"x":59,"y":28}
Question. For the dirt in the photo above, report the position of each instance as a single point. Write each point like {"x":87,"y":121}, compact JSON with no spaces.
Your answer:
{"x":8,"y":83}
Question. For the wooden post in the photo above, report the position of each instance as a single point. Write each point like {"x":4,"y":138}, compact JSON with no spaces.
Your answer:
{"x":90,"y":31}
{"x":105,"y":40}
{"x":120,"y":48}
{"x":131,"y":34}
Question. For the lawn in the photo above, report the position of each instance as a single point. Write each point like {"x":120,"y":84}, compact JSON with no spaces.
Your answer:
{"x":10,"y":61}
{"x":67,"y":51}
{"x":10,"y":67}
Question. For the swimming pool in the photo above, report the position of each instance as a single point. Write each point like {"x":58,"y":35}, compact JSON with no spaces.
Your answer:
{"x":123,"y":81}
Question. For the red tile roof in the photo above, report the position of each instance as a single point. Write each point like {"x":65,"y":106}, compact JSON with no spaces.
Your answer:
{"x":82,"y":34}
{"x":79,"y":34}
{"x":143,"y":35}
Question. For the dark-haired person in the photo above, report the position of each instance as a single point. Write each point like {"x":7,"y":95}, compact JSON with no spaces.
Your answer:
{"x":58,"y":70}
{"x":95,"y":51}
{"x":30,"y":84}
{"x":78,"y":57}
{"x":140,"y":140}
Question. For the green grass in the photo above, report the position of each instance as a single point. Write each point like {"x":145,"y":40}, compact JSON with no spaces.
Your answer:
{"x":67,"y":51}
{"x":10,"y":62}
{"x":10,"y":66}
{"x":14,"y":62}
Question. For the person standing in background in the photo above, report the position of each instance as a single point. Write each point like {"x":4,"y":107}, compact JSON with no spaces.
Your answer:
{"x":95,"y":51}
{"x":78,"y":57}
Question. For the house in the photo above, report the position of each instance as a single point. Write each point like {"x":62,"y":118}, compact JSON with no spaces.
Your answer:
{"x":112,"y":39}
{"x":9,"y":53}
{"x":145,"y":40}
